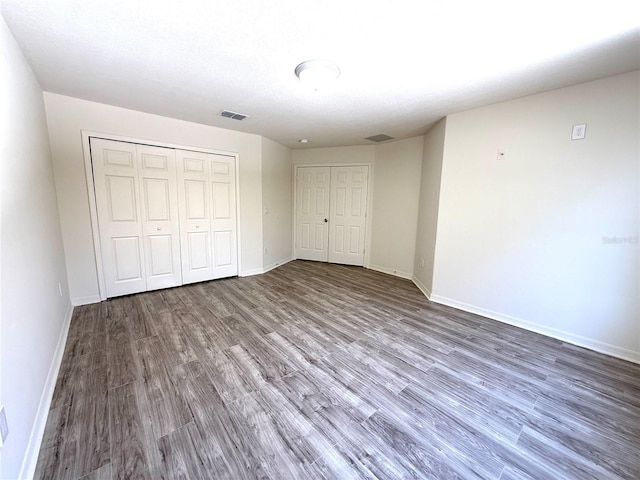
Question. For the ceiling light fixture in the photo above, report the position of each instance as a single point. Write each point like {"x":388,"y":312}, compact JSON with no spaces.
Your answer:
{"x":317,"y":73}
{"x":303,"y":140}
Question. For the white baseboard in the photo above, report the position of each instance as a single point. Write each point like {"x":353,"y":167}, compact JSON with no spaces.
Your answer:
{"x":425,"y":291}
{"x":250,"y":273}
{"x":590,"y":343}
{"x":30,"y":459}
{"x":77,"y":301}
{"x":260,"y":271}
{"x":390,"y":271}
{"x":276,"y":264}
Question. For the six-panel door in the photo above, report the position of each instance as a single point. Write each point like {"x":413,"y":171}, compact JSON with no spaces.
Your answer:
{"x":331,"y":206}
{"x":195,"y":215}
{"x":223,"y":216}
{"x":165,"y":216}
{"x":312,"y":213}
{"x":347,"y":217}
{"x":160,"y":227}
{"x":207,"y":202}
{"x":115,"y":172}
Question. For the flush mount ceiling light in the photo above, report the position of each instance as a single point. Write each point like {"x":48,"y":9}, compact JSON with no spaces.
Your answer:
{"x":317,"y":73}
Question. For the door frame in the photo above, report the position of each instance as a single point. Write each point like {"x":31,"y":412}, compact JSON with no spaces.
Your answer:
{"x":91,"y":191}
{"x":369,"y":215}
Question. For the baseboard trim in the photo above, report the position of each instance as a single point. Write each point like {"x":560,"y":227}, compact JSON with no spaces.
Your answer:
{"x":77,"y":301}
{"x":390,"y":271}
{"x":277,"y":264}
{"x":580,"y":341}
{"x":30,"y":460}
{"x":251,"y":273}
{"x":421,"y":286}
{"x":260,"y":271}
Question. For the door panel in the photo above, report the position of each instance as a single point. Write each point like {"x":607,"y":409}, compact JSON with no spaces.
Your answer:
{"x":198,"y":245}
{"x":347,"y":219}
{"x":121,"y":198}
{"x":207,"y":202}
{"x":312,"y":204}
{"x":160,"y":226}
{"x":195,"y":224}
{"x":223,"y":251}
{"x":126,"y":252}
{"x":156,"y":199}
{"x":223,"y":218}
{"x":161,"y":250}
{"x":196,"y":199}
{"x":115,"y":173}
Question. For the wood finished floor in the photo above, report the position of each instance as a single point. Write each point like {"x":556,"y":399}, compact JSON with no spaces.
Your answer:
{"x":325,"y":371}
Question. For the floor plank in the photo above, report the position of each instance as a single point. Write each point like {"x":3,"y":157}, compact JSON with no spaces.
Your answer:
{"x":320,"y":371}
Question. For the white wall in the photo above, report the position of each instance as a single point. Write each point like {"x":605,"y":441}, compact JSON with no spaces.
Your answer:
{"x":277,"y":204}
{"x":68,"y":116}
{"x":395,"y":206}
{"x":331,"y":155}
{"x":428,"y":207}
{"x":394,"y":193}
{"x":521,"y":239}
{"x":34,"y":316}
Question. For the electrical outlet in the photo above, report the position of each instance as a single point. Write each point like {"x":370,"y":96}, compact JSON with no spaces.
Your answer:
{"x":4,"y":427}
{"x":266,"y":251}
{"x":421,"y":262}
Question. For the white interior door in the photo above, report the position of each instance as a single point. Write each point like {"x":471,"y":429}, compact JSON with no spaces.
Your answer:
{"x":347,"y":217}
{"x":115,"y":173}
{"x":166,"y":217}
{"x":207,"y":203}
{"x":195,"y":213}
{"x":223,"y":215}
{"x":312,"y":213}
{"x":159,"y":209}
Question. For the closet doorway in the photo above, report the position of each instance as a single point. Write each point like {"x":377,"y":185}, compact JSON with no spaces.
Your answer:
{"x":163,"y":216}
{"x":331,"y":213}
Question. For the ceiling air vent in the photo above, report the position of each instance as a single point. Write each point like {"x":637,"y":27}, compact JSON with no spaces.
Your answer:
{"x":234,"y":115}
{"x":379,"y":138}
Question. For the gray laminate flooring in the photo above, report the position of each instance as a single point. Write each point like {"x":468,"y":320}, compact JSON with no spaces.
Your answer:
{"x":326,"y":371}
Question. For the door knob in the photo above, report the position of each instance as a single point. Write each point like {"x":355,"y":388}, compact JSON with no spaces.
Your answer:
{"x":197,"y":226}
{"x":158,"y":229}
{"x":326,"y":220}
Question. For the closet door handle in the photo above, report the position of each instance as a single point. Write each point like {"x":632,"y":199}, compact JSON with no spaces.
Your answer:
{"x":197,"y":226}
{"x":326,"y":220}
{"x":158,"y":228}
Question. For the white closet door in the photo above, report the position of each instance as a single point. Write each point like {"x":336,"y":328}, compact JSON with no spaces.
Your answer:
{"x":347,"y":218}
{"x":166,"y":217}
{"x":115,"y":172}
{"x":195,"y":213}
{"x":312,"y":212}
{"x":159,"y":208}
{"x":223,"y":216}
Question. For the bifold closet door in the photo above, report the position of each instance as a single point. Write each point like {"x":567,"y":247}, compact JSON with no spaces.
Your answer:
{"x":165,"y":216}
{"x":137,"y":216}
{"x":160,"y":226}
{"x":207,"y":203}
{"x":331,"y":206}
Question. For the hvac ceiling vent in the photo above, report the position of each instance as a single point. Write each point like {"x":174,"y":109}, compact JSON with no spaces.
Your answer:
{"x":379,"y":138}
{"x":234,"y":115}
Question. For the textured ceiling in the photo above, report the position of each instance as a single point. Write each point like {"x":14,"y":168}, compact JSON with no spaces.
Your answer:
{"x":405,"y":64}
